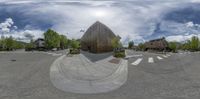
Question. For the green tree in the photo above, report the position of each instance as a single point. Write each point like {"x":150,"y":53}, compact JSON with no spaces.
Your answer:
{"x":9,"y":43}
{"x":173,"y":46}
{"x":130,"y":44}
{"x":141,"y":46}
{"x":75,"y":44}
{"x":116,"y":42}
{"x":52,"y":39}
{"x":194,"y":43}
{"x":63,"y":41}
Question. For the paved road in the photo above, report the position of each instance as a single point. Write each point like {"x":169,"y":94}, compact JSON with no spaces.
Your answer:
{"x":26,"y":76}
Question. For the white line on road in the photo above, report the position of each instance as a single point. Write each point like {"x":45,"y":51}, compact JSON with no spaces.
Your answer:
{"x":137,"y":61}
{"x":150,"y":60}
{"x":168,"y":55}
{"x":159,"y":57}
{"x":165,"y":56}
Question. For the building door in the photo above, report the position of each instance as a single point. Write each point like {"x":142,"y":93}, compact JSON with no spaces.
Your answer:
{"x":89,"y":48}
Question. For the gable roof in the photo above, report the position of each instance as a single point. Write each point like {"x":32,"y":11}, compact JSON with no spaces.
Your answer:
{"x":98,"y":31}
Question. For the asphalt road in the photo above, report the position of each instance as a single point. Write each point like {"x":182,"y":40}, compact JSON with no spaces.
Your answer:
{"x":26,"y":76}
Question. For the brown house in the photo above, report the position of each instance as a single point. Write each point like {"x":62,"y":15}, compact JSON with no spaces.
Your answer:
{"x":97,"y":38}
{"x":157,"y":44}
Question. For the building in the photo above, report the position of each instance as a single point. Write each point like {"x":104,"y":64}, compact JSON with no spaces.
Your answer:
{"x":157,"y":45}
{"x":97,"y":38}
{"x":39,"y":43}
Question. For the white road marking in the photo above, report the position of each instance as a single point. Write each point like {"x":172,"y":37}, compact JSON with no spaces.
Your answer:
{"x":137,"y":61}
{"x":168,"y":55}
{"x":159,"y":57}
{"x":150,"y":60}
{"x":49,"y":53}
{"x":165,"y":56}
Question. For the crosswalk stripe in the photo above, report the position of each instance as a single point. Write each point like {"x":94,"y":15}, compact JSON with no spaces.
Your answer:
{"x":165,"y":56}
{"x":137,"y":61}
{"x":159,"y":57}
{"x":150,"y":60}
{"x":168,"y":55}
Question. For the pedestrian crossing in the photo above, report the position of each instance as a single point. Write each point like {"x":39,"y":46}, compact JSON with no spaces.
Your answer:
{"x":137,"y":61}
{"x":150,"y":59}
{"x":159,"y":57}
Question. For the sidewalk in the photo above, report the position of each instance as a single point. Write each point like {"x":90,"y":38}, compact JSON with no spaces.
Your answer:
{"x":78,"y":74}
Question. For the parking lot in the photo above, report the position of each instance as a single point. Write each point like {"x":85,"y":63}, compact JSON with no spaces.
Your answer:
{"x":25,"y":75}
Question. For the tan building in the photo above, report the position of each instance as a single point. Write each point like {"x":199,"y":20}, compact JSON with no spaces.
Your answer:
{"x":157,"y":45}
{"x":97,"y":38}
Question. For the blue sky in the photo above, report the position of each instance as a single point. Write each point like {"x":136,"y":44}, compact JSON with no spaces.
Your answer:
{"x":139,"y":20}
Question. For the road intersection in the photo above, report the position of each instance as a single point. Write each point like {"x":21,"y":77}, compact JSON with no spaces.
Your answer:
{"x":150,"y":76}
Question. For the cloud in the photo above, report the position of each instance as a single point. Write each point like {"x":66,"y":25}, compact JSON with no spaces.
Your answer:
{"x":181,"y":38}
{"x":6,"y":25}
{"x":132,"y":20}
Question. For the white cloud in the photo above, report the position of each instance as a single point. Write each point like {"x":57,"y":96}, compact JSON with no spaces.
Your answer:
{"x":128,"y":19}
{"x":6,"y":25}
{"x":181,"y":38}
{"x":131,"y":20}
{"x":190,"y":24}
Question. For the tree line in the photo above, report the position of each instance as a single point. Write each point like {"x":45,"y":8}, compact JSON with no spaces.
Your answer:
{"x":53,"y":39}
{"x":9,"y":44}
{"x":193,"y":44}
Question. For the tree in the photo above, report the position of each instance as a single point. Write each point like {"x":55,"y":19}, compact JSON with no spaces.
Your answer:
{"x":130,"y":44}
{"x":75,"y":44}
{"x":141,"y":46}
{"x":116,"y":42}
{"x":194,"y":43}
{"x":63,"y":41}
{"x":52,"y":39}
{"x":173,"y":46}
{"x":9,"y":43}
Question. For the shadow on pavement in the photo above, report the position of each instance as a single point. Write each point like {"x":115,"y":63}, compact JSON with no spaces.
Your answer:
{"x":96,"y":57}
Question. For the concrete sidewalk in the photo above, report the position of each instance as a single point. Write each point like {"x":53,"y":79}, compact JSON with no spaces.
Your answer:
{"x":78,"y":74}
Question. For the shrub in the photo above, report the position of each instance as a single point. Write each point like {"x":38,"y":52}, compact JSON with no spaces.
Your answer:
{"x":74,"y":51}
{"x":119,"y":54}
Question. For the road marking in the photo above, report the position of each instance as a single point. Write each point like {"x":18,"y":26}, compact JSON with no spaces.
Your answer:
{"x":165,"y":56}
{"x":49,"y":53}
{"x":159,"y":57}
{"x":168,"y":55}
{"x":137,"y":61}
{"x":150,"y":60}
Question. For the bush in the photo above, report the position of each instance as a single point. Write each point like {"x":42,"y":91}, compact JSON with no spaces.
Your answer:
{"x":74,"y":51}
{"x":29,"y":47}
{"x":119,"y":54}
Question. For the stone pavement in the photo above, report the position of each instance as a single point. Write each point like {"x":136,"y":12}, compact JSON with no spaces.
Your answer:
{"x":78,"y":74}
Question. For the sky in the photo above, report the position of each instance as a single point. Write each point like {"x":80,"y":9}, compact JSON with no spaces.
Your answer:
{"x":137,"y":20}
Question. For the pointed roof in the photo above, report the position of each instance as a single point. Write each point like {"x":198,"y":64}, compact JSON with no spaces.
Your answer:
{"x":98,"y":31}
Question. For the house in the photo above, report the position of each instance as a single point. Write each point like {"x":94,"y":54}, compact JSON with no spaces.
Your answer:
{"x":39,"y":43}
{"x":97,"y":39}
{"x":157,"y":45}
